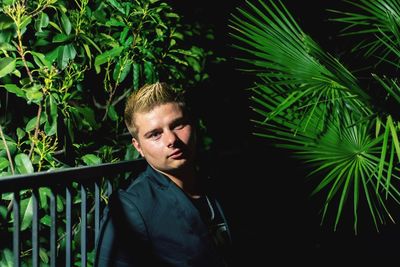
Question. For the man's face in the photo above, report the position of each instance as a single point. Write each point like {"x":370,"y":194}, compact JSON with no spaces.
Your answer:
{"x":165,"y":138}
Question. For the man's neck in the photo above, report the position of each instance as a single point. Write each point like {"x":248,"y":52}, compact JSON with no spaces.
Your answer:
{"x":187,"y":181}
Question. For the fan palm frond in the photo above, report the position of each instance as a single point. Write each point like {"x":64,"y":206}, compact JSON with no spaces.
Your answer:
{"x":308,"y":102}
{"x":374,"y":21}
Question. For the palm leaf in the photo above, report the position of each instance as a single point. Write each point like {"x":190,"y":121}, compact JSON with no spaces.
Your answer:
{"x":308,"y":102}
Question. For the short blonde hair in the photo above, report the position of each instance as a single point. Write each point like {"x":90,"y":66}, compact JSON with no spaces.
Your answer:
{"x":146,"y":99}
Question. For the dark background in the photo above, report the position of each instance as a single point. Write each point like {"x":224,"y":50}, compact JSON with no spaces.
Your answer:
{"x":264,"y":189}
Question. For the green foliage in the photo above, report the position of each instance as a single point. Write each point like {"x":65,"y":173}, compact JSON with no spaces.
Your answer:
{"x":66,"y":68}
{"x":340,"y":125}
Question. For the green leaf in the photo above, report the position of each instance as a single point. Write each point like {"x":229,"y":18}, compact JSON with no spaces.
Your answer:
{"x":87,"y":117}
{"x":91,"y":159}
{"x":34,"y":94}
{"x":40,"y":59}
{"x":31,"y":125}
{"x":52,"y":55}
{"x":46,"y":220}
{"x":44,"y":194}
{"x":27,"y":210}
{"x":61,"y":37}
{"x":106,"y":56}
{"x":4,"y":163}
{"x":23,"y":164}
{"x":7,"y":258}
{"x":115,"y":23}
{"x":136,"y":75}
{"x":12,"y":147}
{"x":50,"y":126}
{"x":20,"y":133}
{"x":112,"y":114}
{"x":12,"y":88}
{"x":3,"y":212}
{"x":66,"y":23}
{"x":65,"y":54}
{"x":7,"y":46}
{"x":121,"y":70}
{"x":43,"y":255}
{"x":25,"y":22}
{"x":7,"y":65}
{"x":117,"y":6}
{"x":41,"y":22}
{"x":131,"y":153}
{"x":149,"y":72}
{"x":60,"y":203}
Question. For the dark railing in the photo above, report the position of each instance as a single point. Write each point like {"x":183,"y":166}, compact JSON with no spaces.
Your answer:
{"x":87,"y":186}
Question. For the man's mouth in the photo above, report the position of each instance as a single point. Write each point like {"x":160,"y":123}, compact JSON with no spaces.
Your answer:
{"x":176,"y":154}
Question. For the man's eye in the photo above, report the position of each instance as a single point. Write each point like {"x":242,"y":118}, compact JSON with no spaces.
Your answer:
{"x":154,"y":135}
{"x":179,"y":126}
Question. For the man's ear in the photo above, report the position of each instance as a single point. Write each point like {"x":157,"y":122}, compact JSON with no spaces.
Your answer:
{"x":136,"y":144}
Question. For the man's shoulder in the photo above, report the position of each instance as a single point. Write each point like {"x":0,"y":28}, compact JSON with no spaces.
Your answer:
{"x":137,"y":183}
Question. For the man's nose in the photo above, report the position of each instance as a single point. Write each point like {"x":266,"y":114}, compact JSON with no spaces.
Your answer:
{"x":171,"y":138}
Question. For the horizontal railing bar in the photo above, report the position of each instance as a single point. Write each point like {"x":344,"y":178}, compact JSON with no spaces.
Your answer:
{"x":62,"y":176}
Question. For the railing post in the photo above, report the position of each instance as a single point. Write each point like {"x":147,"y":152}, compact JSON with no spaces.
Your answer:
{"x":17,"y":227}
{"x":83,"y":226}
{"x":68,"y":230}
{"x":53,"y":227}
{"x":35,"y":228}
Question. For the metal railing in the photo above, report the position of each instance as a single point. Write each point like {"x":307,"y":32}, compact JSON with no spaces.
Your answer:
{"x":72,"y":198}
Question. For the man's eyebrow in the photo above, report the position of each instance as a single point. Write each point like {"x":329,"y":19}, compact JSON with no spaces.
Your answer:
{"x":146,"y":134}
{"x":181,"y":119}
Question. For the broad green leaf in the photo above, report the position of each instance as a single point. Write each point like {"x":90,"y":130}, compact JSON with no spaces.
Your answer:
{"x":131,"y":153}
{"x":27,"y":213}
{"x":25,"y":22}
{"x":41,"y":22}
{"x":60,"y":204}
{"x":61,"y":37}
{"x":51,"y":121}
{"x":7,"y":65}
{"x":20,"y":133}
{"x":44,"y":195}
{"x":116,"y":4}
{"x":7,"y":47}
{"x":66,"y":23}
{"x":23,"y":164}
{"x":4,"y":163}
{"x":40,"y":59}
{"x":115,"y":23}
{"x":11,"y":145}
{"x":62,"y":57}
{"x":106,"y":56}
{"x":121,"y":70}
{"x":91,"y":159}
{"x":7,"y":196}
{"x":149,"y":72}
{"x":87,"y":116}
{"x":124,"y":34}
{"x":3,"y":212}
{"x":12,"y":88}
{"x":46,"y":220}
{"x":136,"y":75}
{"x":31,"y":125}
{"x":55,"y":26}
{"x":53,"y":54}
{"x":7,"y":258}
{"x":112,"y":114}
{"x":34,"y":94}
{"x":43,"y":255}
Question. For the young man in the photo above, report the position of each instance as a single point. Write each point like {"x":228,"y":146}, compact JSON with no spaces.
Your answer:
{"x":167,"y":215}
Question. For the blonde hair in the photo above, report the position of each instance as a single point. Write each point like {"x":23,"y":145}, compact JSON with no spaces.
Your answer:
{"x":146,"y":99}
